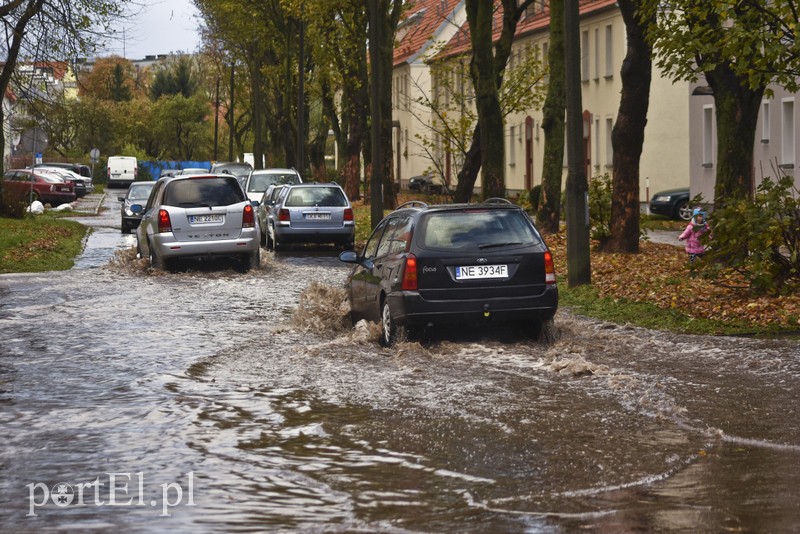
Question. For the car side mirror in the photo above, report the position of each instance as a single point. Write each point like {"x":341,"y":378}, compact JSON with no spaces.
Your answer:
{"x":348,"y":256}
{"x":136,"y":208}
{"x":121,"y":199}
{"x":254,"y":203}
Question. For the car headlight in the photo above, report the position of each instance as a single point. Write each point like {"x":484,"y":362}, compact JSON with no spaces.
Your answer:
{"x":128,"y":212}
{"x":663,"y":198}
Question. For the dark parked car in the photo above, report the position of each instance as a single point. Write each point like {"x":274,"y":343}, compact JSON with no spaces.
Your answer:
{"x":458,"y":263}
{"x":40,"y":186}
{"x":198,"y":216}
{"x":673,"y":203}
{"x":138,"y":193}
{"x":425,"y":184}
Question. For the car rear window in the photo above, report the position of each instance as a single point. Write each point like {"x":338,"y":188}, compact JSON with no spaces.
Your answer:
{"x":476,"y":229}
{"x":203,"y":192}
{"x":260,"y":182}
{"x":331,"y":197}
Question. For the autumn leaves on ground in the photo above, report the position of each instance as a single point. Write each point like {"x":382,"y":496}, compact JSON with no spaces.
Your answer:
{"x":660,"y":275}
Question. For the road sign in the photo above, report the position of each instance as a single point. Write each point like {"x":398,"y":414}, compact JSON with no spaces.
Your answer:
{"x":94,"y":154}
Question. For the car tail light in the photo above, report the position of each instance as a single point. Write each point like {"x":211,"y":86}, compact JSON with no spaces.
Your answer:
{"x":164,"y":223}
{"x":410,"y":274}
{"x":549,"y":268}
{"x":348,"y":214}
{"x":283,"y":215}
{"x":248,"y":218}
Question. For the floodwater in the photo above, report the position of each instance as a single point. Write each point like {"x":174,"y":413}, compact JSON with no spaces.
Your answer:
{"x":209,"y":400}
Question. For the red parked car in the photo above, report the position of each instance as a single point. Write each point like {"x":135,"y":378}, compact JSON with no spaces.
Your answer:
{"x":46,"y":188}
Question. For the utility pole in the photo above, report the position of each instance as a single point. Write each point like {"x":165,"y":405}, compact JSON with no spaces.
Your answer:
{"x":376,"y":180}
{"x":577,"y":189}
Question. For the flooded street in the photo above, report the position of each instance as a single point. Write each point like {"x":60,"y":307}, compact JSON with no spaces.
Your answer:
{"x":200,"y":401}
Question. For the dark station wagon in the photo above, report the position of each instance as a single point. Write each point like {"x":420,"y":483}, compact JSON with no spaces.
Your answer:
{"x":458,"y":263}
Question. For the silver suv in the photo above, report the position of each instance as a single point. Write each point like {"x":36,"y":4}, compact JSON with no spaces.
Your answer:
{"x":198,"y":216}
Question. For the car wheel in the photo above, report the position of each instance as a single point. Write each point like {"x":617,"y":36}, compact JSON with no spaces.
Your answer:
{"x":544,"y":331}
{"x":391,"y":333}
{"x":251,"y":261}
{"x":270,"y":244}
{"x":156,"y":261}
{"x":263,"y":239}
{"x":683,"y":211}
{"x":125,"y":229}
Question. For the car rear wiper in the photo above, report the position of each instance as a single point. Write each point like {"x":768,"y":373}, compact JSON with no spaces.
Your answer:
{"x":195,"y":205}
{"x":493,"y":245}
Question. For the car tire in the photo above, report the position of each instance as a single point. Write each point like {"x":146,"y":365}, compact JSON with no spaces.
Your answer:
{"x":251,"y":261}
{"x":125,"y":229}
{"x":391,"y":333}
{"x":263,"y":239}
{"x":156,"y":261}
{"x":683,"y":211}
{"x":544,"y":331}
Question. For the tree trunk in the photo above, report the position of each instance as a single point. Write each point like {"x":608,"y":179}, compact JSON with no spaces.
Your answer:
{"x":469,"y":171}
{"x":10,"y":63}
{"x":257,"y":103}
{"x":627,"y":136}
{"x":482,"y":68}
{"x":548,"y":214}
{"x":737,"y":108}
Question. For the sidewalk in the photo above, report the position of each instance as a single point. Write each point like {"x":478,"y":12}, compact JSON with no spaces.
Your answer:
{"x":89,"y":204}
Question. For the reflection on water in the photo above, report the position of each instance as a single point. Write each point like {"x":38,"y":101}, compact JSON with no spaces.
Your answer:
{"x":210,"y":381}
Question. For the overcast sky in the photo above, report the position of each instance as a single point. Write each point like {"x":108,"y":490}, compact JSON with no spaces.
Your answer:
{"x":159,"y":27}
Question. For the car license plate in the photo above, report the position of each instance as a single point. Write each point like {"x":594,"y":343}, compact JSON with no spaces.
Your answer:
{"x":317,"y":216}
{"x":200,"y":219}
{"x":472,"y":272}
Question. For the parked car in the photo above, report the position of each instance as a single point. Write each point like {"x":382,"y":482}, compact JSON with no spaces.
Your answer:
{"x":81,"y":184}
{"x":138,"y":193}
{"x":459,"y":263}
{"x":197,"y":216}
{"x":191,"y":170}
{"x":259,"y":180}
{"x":240,"y":170}
{"x":264,"y":211}
{"x":83,"y":171}
{"x":311,"y":213}
{"x":673,"y":203}
{"x":35,"y":185}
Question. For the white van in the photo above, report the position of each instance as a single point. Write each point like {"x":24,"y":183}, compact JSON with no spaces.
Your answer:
{"x":122,"y":170}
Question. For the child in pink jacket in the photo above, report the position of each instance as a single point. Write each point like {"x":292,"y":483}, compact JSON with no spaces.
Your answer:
{"x":696,"y":228}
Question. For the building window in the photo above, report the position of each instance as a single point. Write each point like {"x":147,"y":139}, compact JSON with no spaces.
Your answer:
{"x":546,"y":61}
{"x":596,"y":144}
{"x":405,"y":143}
{"x":765,"y":125}
{"x":609,"y":52}
{"x":512,"y":146}
{"x":609,"y":143}
{"x":405,"y":91}
{"x":708,"y":135}
{"x":596,"y":54}
{"x":585,"y":55}
{"x":787,"y":133}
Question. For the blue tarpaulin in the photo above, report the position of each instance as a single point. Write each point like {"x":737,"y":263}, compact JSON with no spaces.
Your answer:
{"x":155,"y":168}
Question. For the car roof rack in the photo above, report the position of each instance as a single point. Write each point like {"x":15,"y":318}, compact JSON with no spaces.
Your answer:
{"x":497,"y":200}
{"x":413,"y":204}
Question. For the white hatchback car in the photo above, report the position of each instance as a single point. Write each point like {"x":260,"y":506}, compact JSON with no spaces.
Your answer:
{"x":198,"y":216}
